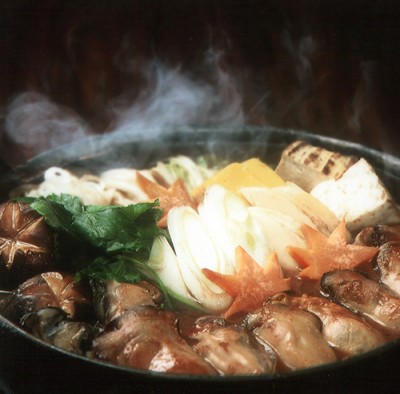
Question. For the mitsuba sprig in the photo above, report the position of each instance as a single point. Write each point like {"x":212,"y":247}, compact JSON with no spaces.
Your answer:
{"x":101,"y":242}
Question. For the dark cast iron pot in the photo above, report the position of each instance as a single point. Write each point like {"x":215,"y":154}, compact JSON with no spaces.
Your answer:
{"x":28,"y":365}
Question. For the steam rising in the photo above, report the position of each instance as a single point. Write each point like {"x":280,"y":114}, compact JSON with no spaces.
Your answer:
{"x":34,"y":122}
{"x":172,"y":98}
{"x":299,"y":52}
{"x":168,"y":98}
{"x":302,"y":93}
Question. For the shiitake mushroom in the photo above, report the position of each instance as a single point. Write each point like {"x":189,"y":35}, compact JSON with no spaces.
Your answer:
{"x":49,"y":289}
{"x":26,"y":244}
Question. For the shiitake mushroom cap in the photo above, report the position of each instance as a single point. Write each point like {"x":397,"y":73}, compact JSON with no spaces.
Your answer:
{"x":26,"y":244}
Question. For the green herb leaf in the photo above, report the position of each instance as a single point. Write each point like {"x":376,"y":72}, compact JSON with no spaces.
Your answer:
{"x":120,"y":270}
{"x":59,"y":211}
{"x":92,"y":239}
{"x":117,"y":229}
{"x":112,"y":229}
{"x":105,"y":242}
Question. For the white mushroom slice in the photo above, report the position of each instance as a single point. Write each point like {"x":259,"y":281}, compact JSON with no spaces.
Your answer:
{"x":359,"y":197}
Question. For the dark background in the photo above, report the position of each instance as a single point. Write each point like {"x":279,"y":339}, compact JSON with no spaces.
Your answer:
{"x":329,"y":67}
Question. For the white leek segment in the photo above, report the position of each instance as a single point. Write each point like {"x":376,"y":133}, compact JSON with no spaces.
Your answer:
{"x":225,"y":220}
{"x":229,"y":223}
{"x":293,"y":201}
{"x":195,"y":250}
{"x":165,"y":263}
{"x":232,"y":222}
{"x":279,"y":231}
{"x":209,"y":238}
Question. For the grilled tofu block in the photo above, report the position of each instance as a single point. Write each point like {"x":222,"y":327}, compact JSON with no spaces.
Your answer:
{"x":358,"y":196}
{"x":307,"y":165}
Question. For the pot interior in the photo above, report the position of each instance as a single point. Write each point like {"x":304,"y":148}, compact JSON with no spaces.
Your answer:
{"x":96,"y":154}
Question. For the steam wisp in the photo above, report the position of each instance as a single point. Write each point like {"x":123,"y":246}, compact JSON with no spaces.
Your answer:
{"x":169,"y":98}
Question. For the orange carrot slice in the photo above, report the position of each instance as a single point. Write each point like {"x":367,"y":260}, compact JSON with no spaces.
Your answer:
{"x":174,"y":196}
{"x":252,"y":284}
{"x":324,"y":254}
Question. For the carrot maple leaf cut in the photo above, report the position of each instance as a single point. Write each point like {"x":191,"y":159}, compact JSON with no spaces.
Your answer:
{"x":174,"y":196}
{"x":252,"y":284}
{"x":324,"y":254}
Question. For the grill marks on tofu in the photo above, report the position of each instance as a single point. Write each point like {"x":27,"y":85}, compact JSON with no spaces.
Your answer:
{"x":307,"y":165}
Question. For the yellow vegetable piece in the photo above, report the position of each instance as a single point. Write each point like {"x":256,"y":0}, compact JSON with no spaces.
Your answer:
{"x":235,"y":176}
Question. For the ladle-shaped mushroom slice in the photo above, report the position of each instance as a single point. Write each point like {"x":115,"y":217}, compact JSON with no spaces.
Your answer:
{"x":364,"y":296}
{"x":146,"y":338}
{"x":294,"y":334}
{"x":341,"y":328}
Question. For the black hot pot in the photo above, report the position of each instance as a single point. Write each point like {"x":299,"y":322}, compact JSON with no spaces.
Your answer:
{"x":29,"y":365}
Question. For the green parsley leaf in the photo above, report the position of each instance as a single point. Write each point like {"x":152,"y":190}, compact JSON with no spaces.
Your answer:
{"x":92,"y":240}
{"x":111,"y":229}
